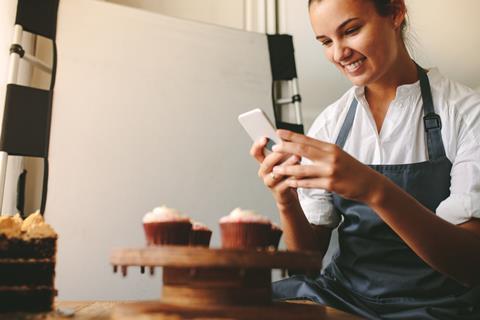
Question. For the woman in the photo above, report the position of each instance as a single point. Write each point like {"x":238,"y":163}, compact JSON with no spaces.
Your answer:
{"x":409,"y":236}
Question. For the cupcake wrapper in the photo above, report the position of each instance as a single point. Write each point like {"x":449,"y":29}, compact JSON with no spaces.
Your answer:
{"x":275,"y":235}
{"x":245,"y":235}
{"x":167,"y":233}
{"x":200,"y":238}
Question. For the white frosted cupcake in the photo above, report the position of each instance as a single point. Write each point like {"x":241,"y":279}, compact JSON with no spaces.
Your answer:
{"x":245,"y":229}
{"x":200,"y":235}
{"x":166,"y":226}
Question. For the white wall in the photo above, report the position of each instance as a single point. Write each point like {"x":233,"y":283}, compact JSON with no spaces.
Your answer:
{"x":446,"y":34}
{"x":228,"y":13}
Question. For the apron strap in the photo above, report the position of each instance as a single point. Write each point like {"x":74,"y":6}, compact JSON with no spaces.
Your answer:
{"x":431,"y":120}
{"x":347,"y":124}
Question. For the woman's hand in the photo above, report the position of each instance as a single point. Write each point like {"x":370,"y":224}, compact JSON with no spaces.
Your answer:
{"x":331,"y":169}
{"x":283,"y":193}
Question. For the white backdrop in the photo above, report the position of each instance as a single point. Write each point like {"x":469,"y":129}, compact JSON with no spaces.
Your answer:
{"x":144,"y":114}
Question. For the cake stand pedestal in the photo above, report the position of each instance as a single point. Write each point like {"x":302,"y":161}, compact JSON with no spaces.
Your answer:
{"x":201,"y":283}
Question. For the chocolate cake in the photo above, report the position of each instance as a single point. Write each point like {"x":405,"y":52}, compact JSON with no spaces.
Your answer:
{"x":27,"y":264}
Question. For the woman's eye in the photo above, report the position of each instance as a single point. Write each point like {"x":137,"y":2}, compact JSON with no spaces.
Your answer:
{"x":352,"y":30}
{"x":326,"y":42}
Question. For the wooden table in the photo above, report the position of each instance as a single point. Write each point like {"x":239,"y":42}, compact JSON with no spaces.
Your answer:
{"x":100,"y":310}
{"x":103,"y":310}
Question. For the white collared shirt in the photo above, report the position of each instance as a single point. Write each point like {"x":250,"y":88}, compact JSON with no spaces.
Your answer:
{"x":402,"y":141}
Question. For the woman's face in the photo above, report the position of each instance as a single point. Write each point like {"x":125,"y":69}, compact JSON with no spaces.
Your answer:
{"x":361,"y":43}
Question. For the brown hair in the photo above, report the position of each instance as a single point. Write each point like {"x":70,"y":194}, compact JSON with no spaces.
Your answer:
{"x":384,"y":8}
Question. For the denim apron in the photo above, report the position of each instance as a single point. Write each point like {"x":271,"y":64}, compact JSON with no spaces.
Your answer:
{"x":374,"y":273}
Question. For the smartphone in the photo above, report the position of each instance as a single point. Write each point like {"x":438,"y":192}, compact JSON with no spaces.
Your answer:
{"x":257,"y":125}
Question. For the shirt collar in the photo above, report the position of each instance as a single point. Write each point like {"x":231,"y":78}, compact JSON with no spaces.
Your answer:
{"x":405,"y":94}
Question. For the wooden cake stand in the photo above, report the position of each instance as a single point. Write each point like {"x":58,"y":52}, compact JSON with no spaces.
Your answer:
{"x":203,"y":283}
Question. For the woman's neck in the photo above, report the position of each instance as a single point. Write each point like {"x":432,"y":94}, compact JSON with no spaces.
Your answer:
{"x":383,"y":91}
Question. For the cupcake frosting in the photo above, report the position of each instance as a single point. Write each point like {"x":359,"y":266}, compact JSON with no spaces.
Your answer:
{"x":199,"y":226}
{"x":164,"y":214}
{"x":239,"y":215}
{"x":276,"y":226}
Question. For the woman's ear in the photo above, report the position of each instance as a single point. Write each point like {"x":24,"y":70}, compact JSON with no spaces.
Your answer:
{"x":399,"y":13}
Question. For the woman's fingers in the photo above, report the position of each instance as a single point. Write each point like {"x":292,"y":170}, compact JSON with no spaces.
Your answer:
{"x":291,"y":136}
{"x":303,"y":146}
{"x":284,"y":185}
{"x":279,"y":183}
{"x":307,"y":151}
{"x":302,"y":171}
{"x":309,"y":183}
{"x":256,"y":150}
{"x":270,"y":178}
{"x":292,"y":160}
{"x":269,"y":162}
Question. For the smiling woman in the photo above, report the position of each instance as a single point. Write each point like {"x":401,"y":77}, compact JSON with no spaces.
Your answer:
{"x":399,"y":154}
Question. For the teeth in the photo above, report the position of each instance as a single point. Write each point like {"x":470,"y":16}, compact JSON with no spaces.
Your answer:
{"x":354,"y":66}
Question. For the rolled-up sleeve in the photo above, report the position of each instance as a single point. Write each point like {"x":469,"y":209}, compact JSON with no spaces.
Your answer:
{"x":317,"y":203}
{"x":318,"y":207}
{"x":459,"y":208}
{"x":463,"y":203}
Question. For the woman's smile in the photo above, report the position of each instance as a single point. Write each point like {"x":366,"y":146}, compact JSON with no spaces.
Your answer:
{"x":353,"y":67}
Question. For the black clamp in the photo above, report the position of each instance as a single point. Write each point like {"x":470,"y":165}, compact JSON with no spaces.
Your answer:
{"x":432,"y":121}
{"x":16,"y":48}
{"x":296,"y":98}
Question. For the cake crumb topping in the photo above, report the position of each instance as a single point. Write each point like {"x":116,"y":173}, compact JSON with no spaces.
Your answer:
{"x":34,"y":226}
{"x":10,"y":227}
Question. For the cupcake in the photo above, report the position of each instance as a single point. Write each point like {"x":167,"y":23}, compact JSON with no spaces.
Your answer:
{"x":200,"y":235}
{"x":166,"y":226}
{"x":275,"y":235}
{"x":245,"y":229}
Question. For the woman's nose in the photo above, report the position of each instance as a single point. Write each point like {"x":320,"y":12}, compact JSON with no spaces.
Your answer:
{"x":341,"y":53}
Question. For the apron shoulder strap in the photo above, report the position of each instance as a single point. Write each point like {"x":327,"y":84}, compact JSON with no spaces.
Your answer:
{"x":431,"y":120}
{"x":347,"y":124}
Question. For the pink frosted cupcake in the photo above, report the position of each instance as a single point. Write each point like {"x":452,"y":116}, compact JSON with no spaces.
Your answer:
{"x":275,"y":235}
{"x":200,"y":235}
{"x":245,"y":229}
{"x":166,"y":226}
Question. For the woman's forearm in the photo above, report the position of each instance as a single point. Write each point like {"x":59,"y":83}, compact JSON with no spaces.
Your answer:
{"x":448,"y":248}
{"x":298,"y":233}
